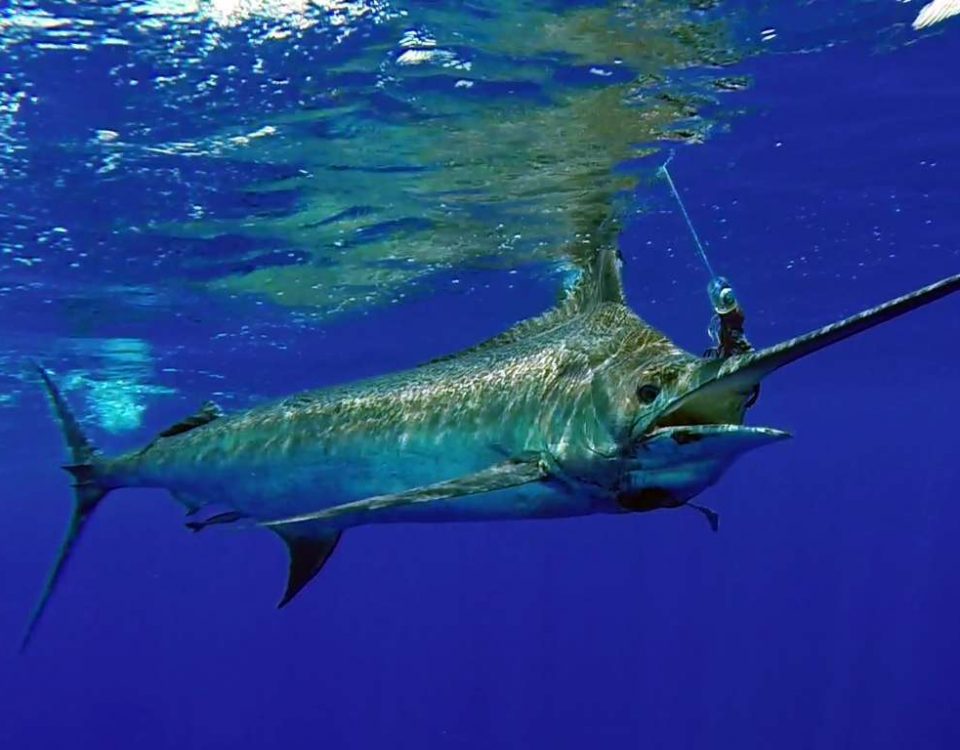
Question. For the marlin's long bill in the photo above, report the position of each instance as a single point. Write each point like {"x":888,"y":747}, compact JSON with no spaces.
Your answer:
{"x":736,"y":379}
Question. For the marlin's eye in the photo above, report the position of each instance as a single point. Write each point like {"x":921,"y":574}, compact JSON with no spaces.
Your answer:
{"x":648,"y":393}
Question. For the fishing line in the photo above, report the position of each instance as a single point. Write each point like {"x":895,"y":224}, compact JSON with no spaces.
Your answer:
{"x":683,"y":209}
{"x":726,"y":325}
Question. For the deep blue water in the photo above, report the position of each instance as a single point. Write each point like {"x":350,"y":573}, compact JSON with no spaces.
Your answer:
{"x":823,"y":615}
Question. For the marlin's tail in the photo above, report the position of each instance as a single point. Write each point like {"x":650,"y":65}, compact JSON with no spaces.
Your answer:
{"x":87,"y":493}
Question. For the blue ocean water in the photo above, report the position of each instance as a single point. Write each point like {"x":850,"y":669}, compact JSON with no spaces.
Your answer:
{"x":823,"y":615}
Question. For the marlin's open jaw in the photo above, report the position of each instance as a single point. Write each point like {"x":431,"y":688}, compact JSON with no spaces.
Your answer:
{"x":585,"y":409}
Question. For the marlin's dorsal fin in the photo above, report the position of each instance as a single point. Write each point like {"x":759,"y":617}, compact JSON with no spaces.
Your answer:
{"x":204,"y":415}
{"x":598,"y":281}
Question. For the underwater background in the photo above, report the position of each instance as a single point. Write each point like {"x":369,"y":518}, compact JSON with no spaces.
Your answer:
{"x":237,"y":199}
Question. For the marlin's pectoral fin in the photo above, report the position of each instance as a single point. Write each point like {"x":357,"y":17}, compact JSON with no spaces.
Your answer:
{"x":498,"y":477}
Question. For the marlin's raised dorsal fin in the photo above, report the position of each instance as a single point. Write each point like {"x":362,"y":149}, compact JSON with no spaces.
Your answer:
{"x":598,"y":281}
{"x":204,"y":415}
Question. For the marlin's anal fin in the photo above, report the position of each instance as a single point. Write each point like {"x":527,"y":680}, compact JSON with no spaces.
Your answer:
{"x":500,"y":476}
{"x":713,"y":518}
{"x":308,"y":554}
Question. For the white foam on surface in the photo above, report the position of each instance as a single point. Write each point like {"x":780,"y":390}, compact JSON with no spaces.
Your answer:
{"x":935,"y":12}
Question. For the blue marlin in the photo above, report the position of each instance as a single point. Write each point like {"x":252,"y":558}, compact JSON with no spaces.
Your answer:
{"x":585,"y":409}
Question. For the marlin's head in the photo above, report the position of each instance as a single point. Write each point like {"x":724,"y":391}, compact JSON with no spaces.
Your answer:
{"x":687,"y":421}
{"x":687,"y":429}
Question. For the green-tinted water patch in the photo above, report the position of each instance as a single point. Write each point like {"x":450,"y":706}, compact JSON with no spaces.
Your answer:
{"x":462,"y":139}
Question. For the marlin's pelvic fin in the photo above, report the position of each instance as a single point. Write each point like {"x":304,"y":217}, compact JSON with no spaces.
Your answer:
{"x":498,"y":477}
{"x":87,"y":494}
{"x":220,"y":518}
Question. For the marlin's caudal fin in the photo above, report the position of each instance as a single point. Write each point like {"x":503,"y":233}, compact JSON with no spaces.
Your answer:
{"x":87,"y":493}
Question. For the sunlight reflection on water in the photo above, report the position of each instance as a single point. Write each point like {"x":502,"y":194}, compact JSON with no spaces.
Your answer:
{"x":117,"y":387}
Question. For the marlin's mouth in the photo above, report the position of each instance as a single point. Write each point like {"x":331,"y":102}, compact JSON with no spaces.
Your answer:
{"x":712,"y":398}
